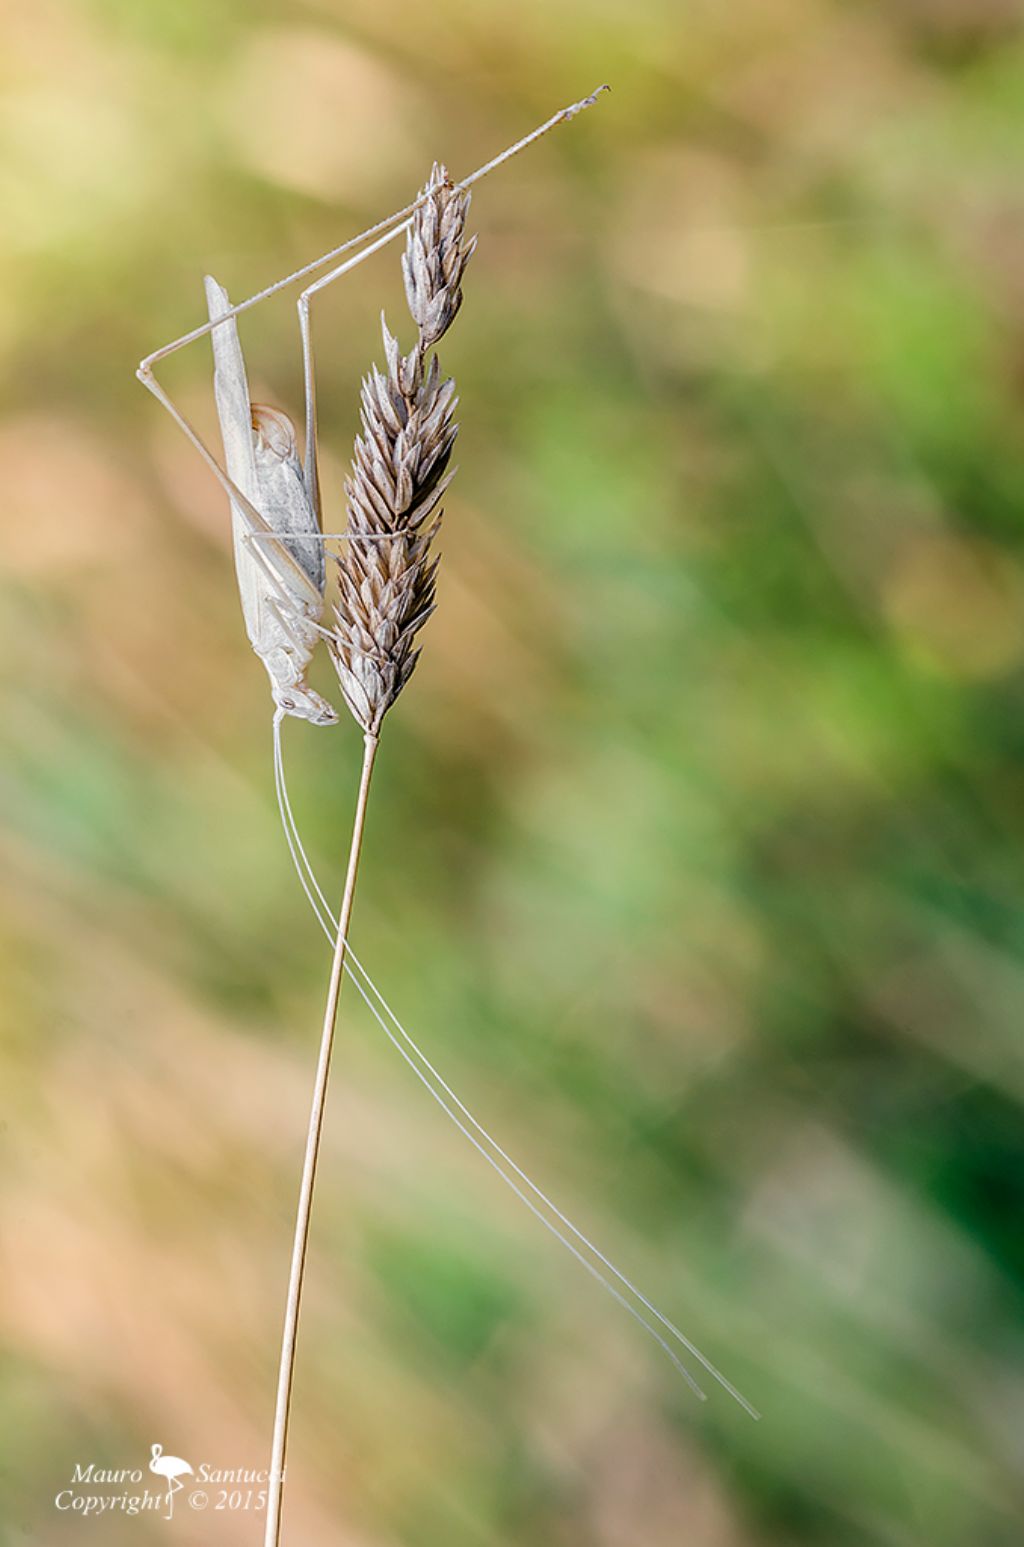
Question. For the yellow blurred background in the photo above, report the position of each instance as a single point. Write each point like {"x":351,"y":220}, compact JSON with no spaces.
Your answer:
{"x":694,"y":858}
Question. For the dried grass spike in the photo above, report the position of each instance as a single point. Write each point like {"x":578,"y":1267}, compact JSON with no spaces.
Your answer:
{"x":400,"y":471}
{"x":435,"y":257}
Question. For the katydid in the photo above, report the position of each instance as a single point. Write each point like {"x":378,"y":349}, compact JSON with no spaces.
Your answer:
{"x":274,"y":495}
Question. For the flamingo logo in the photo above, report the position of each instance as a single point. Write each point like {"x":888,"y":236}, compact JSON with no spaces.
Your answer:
{"x":173,"y":1468}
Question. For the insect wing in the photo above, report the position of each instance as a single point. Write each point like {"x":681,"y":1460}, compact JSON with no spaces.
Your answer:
{"x":284,"y":499}
{"x":234,"y":410}
{"x":294,"y":587}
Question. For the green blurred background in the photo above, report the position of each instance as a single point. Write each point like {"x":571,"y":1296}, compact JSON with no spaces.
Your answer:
{"x":694,"y":857}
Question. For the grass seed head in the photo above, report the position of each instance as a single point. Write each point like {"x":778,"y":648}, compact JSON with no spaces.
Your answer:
{"x":400,"y":471}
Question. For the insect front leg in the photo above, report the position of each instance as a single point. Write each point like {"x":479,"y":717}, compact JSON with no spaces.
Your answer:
{"x":255,"y":524}
{"x":311,"y":464}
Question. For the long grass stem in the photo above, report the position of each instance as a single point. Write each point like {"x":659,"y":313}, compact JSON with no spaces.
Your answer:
{"x":296,"y":1277}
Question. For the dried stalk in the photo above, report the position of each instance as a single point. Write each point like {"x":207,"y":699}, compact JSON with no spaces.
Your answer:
{"x":387,"y":576}
{"x":286,"y":1371}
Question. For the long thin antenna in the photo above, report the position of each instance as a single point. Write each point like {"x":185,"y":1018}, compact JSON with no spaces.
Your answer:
{"x":360,"y":977}
{"x":296,"y":848}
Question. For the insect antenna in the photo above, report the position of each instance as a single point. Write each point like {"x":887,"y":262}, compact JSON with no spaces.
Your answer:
{"x":493,"y":1153}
